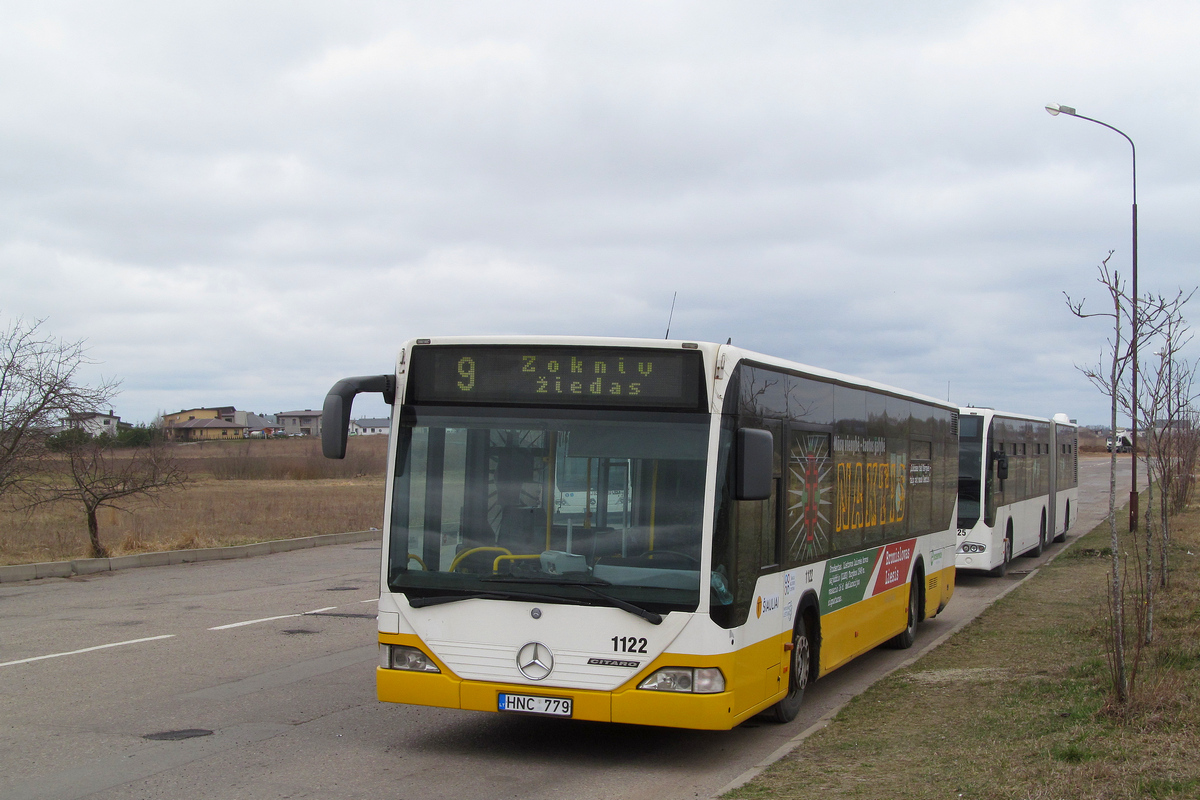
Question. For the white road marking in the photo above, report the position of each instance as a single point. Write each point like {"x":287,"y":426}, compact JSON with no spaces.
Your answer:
{"x":88,"y":649}
{"x":253,"y":622}
{"x":267,"y":619}
{"x":372,"y":600}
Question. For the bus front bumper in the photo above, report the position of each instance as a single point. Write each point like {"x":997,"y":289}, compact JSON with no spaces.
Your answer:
{"x":629,"y":705}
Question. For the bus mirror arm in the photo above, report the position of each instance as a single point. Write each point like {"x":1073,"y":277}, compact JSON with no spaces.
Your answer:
{"x":755,"y":464}
{"x":335,"y":413}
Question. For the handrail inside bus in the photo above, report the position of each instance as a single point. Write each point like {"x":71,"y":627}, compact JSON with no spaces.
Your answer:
{"x":496,"y":563}
{"x":458,"y":558}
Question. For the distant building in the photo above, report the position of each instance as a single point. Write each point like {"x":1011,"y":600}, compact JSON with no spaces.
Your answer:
{"x":300,"y":423}
{"x":370,"y":426}
{"x":172,"y":421}
{"x":195,"y":430}
{"x":92,"y":422}
{"x":257,"y":425}
{"x":221,"y":412}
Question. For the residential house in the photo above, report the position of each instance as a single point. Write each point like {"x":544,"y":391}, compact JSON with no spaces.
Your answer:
{"x":171,"y":421}
{"x":194,"y":430}
{"x":369,"y":426}
{"x":300,"y":423}
{"x":257,"y":425}
{"x":192,"y":413}
{"x":93,"y":423}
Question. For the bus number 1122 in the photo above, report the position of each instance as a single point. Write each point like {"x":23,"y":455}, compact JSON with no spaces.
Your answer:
{"x":629,"y":644}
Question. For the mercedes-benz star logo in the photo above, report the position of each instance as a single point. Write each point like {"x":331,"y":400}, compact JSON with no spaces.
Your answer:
{"x":535,"y":661}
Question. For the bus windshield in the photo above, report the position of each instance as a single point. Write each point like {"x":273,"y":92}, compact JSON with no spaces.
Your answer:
{"x":970,"y":461}
{"x":560,"y":508}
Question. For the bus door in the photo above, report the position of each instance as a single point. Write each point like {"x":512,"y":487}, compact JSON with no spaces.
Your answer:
{"x":991,"y":484}
{"x":758,"y":662}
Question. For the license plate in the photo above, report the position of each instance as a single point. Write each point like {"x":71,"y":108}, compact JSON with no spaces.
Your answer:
{"x":530,"y":704}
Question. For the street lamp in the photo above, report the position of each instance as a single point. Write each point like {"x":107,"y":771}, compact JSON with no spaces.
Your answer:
{"x":1055,"y":109}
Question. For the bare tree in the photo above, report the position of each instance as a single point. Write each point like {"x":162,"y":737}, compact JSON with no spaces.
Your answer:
{"x":1109,"y":376}
{"x":1154,"y":404}
{"x":96,"y":475}
{"x":39,"y":385}
{"x":1185,"y":449}
{"x":1165,"y":398}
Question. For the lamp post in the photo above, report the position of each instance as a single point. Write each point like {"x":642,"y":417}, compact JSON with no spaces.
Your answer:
{"x":1054,"y":109}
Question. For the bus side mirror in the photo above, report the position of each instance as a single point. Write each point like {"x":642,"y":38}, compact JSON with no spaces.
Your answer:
{"x":335,"y":414}
{"x":1002,"y":467}
{"x":755,"y":464}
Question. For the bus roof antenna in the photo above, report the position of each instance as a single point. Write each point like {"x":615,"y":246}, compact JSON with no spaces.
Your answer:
{"x":671,"y":315}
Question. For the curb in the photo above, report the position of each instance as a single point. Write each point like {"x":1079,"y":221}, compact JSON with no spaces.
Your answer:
{"x":90,"y":566}
{"x":827,"y":717}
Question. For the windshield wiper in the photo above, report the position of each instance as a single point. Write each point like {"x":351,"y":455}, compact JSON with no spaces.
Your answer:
{"x":437,"y":600}
{"x":649,"y":616}
{"x":586,"y":585}
{"x":616,"y":602}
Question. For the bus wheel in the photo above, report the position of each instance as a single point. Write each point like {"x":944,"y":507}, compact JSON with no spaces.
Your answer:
{"x":787,"y":708}
{"x":1066,"y":524}
{"x":905,"y":639}
{"x":1037,"y":551}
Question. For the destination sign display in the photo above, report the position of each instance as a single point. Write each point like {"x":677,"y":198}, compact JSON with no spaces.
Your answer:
{"x":556,"y":375}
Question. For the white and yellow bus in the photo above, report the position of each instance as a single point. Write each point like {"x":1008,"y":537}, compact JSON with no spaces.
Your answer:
{"x":733,"y":526}
{"x":1018,"y":486}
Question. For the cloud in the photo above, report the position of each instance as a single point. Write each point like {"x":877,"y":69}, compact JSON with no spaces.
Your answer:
{"x":239,"y":205}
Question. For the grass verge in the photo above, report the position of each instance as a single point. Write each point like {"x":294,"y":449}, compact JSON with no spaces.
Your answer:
{"x":1015,"y":705}
{"x":239,"y":493}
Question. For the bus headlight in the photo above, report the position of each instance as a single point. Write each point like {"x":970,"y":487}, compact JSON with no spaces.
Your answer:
{"x":704,"y":680}
{"x":972,"y":547}
{"x":397,"y":656}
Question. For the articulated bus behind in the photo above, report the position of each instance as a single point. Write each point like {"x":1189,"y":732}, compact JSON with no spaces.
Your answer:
{"x":647,"y":531}
{"x":1018,"y":486}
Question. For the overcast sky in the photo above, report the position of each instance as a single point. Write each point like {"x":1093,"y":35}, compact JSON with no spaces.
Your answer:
{"x":240,"y":203}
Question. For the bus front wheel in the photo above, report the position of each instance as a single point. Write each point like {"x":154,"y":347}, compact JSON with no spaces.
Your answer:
{"x":788,"y":708}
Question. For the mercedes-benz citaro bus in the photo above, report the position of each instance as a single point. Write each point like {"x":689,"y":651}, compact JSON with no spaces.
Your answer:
{"x":647,"y":531}
{"x":1018,"y":485}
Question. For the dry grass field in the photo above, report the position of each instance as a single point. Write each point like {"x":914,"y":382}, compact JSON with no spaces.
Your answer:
{"x":238,"y":493}
{"x":1016,"y":706}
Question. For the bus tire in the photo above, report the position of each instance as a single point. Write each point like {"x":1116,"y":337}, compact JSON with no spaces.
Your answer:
{"x":1037,"y":551}
{"x":1066,"y":523}
{"x":1002,"y":570}
{"x":799,"y":672}
{"x":905,"y":639}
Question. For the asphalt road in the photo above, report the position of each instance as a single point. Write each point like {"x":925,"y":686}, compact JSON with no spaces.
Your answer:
{"x":275,"y":657}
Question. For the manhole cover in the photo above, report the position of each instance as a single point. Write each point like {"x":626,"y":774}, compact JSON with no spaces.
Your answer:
{"x":175,"y":736}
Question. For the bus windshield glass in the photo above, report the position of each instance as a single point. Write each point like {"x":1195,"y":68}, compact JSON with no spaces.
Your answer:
{"x":970,"y":461}
{"x":572,"y":508}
